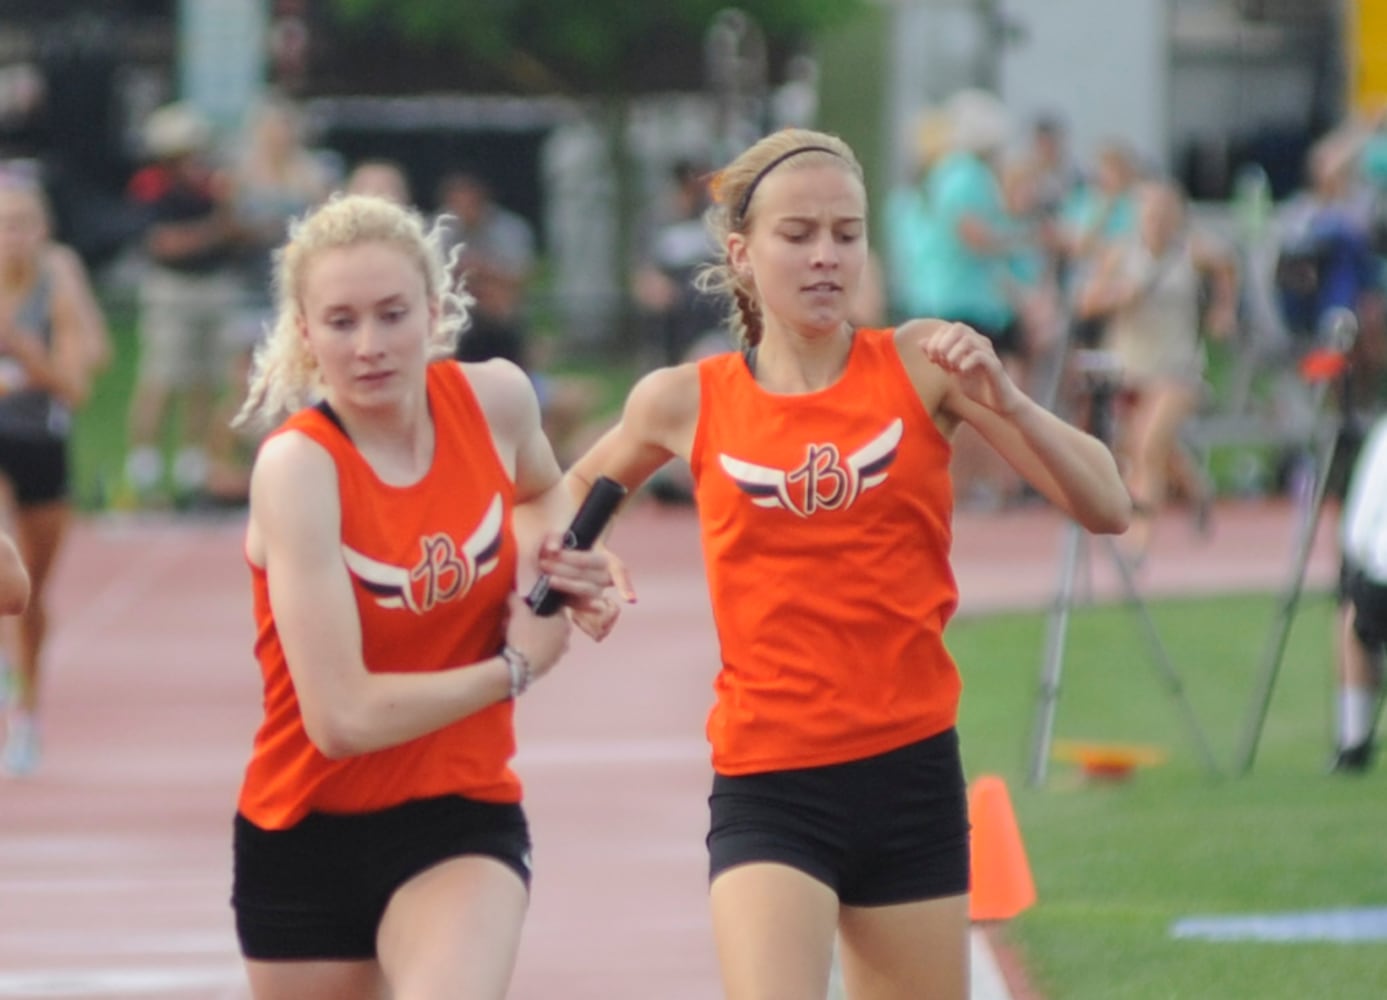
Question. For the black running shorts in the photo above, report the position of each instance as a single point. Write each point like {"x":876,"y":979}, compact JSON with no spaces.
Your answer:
{"x":882,"y":830}
{"x":318,"y":890}
{"x":37,"y":468}
{"x":1369,"y":600}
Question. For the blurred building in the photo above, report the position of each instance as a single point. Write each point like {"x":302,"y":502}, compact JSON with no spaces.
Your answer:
{"x":1197,"y":86}
{"x":75,"y":81}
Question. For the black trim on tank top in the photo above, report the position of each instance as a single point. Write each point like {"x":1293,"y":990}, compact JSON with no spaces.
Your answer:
{"x":749,"y":352}
{"x":325,"y":408}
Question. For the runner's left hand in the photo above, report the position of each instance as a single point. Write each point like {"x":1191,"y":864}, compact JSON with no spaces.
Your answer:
{"x":972,"y":360}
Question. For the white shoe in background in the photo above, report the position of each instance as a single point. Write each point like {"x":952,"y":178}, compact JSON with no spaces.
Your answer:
{"x":21,"y":754}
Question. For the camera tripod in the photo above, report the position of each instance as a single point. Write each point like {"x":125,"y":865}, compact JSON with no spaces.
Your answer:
{"x":1324,"y":367}
{"x":1101,"y":374}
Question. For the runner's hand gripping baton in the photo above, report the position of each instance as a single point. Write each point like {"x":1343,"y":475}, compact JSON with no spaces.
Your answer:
{"x":594,"y":513}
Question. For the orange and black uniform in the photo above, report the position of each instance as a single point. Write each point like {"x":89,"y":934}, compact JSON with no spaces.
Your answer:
{"x":431,"y":566}
{"x":826,"y":522}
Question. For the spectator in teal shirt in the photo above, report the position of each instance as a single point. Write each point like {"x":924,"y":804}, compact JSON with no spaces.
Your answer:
{"x":1103,"y":209}
{"x":911,"y":236}
{"x":1100,"y":212}
{"x":965,"y":273}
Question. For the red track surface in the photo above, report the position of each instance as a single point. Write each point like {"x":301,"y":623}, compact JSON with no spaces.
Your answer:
{"x":115,"y":859}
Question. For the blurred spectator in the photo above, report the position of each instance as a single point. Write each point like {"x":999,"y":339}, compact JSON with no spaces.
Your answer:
{"x":1362,"y":631}
{"x":1031,"y":278}
{"x":1046,"y":158}
{"x":1038,"y":184}
{"x":382,"y":178}
{"x":1372,"y":168}
{"x":1373,"y":158}
{"x":964,"y":274}
{"x":1099,"y":211}
{"x":909,"y":234}
{"x":677,"y":314}
{"x":187,"y":292}
{"x":1149,"y":286}
{"x":497,"y":260}
{"x":1103,"y":207}
{"x":1327,"y":262}
{"x":795,"y":103}
{"x":53,"y":339}
{"x":276,"y":178}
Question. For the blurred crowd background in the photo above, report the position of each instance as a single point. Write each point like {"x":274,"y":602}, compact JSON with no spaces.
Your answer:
{"x":1083,"y":179}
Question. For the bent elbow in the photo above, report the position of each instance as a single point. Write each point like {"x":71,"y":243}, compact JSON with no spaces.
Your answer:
{"x":1111,"y":519}
{"x":1110,"y":526}
{"x":334,"y":736}
{"x":333,"y":749}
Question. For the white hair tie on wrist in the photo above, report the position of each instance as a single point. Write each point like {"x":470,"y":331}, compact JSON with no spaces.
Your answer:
{"x":521,"y":672}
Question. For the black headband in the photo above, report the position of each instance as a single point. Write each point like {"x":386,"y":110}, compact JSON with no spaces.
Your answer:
{"x":761,"y":174}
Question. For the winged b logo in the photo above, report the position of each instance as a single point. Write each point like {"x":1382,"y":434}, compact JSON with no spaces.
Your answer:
{"x":823,"y":481}
{"x":443,"y":572}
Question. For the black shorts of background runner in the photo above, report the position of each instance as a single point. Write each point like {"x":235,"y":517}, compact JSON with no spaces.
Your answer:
{"x":318,"y":890}
{"x":1369,"y":601}
{"x":36,"y":467}
{"x":887,"y":829}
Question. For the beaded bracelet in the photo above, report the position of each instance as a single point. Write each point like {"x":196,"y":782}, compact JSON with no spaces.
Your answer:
{"x":521,"y":673}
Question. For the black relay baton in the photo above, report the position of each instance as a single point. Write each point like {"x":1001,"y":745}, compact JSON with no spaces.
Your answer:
{"x":594,"y":513}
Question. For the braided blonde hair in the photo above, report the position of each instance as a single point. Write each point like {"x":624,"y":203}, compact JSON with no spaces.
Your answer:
{"x":284,"y":375}
{"x":733,"y":207}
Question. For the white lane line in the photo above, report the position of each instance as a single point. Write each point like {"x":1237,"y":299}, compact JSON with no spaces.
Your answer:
{"x":114,"y":944}
{"x":133,"y":982}
{"x":988,"y":982}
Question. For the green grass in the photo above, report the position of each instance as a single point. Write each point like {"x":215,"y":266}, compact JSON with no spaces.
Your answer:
{"x":1116,"y":864}
{"x":98,"y":442}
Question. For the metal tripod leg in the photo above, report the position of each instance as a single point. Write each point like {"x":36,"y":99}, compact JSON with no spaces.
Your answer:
{"x":1058,"y":627}
{"x":1161,"y":659}
{"x":1275,"y":647}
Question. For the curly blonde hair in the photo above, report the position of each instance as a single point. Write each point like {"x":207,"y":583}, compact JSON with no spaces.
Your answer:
{"x":284,"y":376}
{"x":733,"y":191}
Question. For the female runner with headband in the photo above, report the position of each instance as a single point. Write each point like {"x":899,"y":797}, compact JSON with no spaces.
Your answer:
{"x":820,"y":454}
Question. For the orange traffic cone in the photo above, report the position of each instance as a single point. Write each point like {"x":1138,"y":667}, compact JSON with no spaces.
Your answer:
{"x":1002,"y":884}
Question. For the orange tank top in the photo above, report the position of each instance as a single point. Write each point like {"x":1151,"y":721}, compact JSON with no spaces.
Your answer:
{"x":826,"y":524}
{"x":431,"y":565}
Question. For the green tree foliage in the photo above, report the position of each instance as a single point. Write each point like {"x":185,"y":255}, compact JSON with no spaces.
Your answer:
{"x":592,"y":46}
